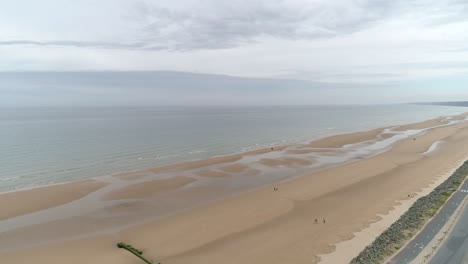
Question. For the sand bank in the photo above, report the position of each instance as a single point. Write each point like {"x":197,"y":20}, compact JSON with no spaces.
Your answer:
{"x":21,"y":202}
{"x":258,"y":226}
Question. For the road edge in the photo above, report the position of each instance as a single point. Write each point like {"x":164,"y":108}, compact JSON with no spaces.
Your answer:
{"x":428,"y":252}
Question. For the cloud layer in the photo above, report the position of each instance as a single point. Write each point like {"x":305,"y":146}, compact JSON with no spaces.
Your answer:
{"x":232,"y":23}
{"x":176,"y":88}
{"x":358,"y":42}
{"x":212,"y":24}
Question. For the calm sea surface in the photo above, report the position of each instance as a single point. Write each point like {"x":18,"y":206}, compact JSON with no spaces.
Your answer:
{"x":40,"y":146}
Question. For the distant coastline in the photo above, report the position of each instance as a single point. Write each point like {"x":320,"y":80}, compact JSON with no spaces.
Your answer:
{"x":459,"y":103}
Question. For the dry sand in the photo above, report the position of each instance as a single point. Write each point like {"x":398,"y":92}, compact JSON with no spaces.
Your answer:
{"x":262,"y":225}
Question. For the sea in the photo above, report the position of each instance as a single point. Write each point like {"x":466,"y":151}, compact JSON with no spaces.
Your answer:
{"x":43,"y":146}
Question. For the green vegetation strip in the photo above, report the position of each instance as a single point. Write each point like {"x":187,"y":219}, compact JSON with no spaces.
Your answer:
{"x":412,"y":220}
{"x":135,"y":252}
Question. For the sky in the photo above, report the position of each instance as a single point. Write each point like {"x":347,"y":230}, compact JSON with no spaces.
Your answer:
{"x":232,"y":52}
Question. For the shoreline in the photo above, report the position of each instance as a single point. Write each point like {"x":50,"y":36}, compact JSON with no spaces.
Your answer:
{"x":315,"y":142}
{"x":267,"y":208}
{"x":169,"y":166}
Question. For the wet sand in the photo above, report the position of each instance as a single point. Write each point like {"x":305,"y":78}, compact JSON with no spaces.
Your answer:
{"x":156,"y":211}
{"x":146,"y":189}
{"x":27,"y":201}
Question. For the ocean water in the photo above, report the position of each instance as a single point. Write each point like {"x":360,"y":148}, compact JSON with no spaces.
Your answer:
{"x":41,"y":146}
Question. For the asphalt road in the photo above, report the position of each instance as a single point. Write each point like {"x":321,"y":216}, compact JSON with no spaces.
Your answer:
{"x":420,"y":241}
{"x":455,"y":248}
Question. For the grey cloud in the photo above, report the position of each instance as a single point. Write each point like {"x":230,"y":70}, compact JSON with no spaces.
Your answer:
{"x":337,"y":76}
{"x":88,"y":44}
{"x":229,"y":26}
{"x":151,"y":80}
{"x":219,"y":25}
{"x":213,"y":24}
{"x":377,"y":73}
{"x":223,"y":26}
{"x":179,"y":88}
{"x":415,"y":65}
{"x":445,"y":12}
{"x":434,"y":65}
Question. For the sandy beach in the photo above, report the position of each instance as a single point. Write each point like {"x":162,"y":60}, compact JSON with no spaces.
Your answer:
{"x":288,"y":204}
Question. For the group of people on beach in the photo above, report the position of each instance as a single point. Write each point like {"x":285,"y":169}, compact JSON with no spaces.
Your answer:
{"x":316,"y":220}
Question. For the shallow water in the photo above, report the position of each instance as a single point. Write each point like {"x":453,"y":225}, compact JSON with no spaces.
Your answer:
{"x":42,"y":146}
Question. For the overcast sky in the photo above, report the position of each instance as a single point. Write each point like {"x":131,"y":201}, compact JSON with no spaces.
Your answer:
{"x":368,"y":51}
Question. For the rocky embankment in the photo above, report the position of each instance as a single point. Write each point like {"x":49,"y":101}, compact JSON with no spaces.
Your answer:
{"x":412,"y":220}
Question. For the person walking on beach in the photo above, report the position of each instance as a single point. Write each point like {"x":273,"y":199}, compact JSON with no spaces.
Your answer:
{"x":324,"y":220}
{"x":316,"y":220}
